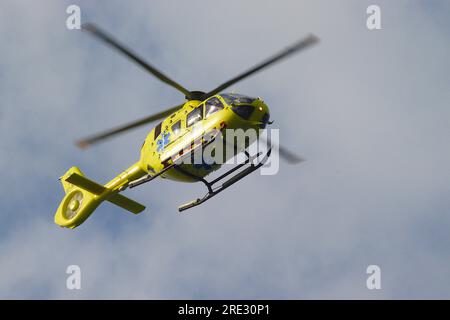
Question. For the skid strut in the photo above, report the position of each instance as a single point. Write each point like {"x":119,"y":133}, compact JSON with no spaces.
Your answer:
{"x":212,"y":191}
{"x":149,"y":177}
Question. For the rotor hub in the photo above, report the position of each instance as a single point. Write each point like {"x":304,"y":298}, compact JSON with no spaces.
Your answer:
{"x":195,"y":95}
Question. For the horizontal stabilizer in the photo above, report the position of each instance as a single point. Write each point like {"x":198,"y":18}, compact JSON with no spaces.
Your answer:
{"x":85,"y":183}
{"x":126,"y":203}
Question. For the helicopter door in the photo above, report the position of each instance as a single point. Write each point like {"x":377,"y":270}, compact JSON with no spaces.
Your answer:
{"x":194,"y":126}
{"x":194,"y":116}
{"x":194,"y":122}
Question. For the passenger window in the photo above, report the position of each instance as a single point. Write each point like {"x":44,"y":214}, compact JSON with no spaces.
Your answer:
{"x":212,"y":105}
{"x":157,"y":130}
{"x":176,"y":128}
{"x":194,"y":116}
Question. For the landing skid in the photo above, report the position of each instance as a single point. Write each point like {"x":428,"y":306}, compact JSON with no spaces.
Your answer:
{"x":212,"y":191}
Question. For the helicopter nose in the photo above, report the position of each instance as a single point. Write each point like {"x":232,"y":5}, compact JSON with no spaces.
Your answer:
{"x":264,"y":115}
{"x":264,"y":120}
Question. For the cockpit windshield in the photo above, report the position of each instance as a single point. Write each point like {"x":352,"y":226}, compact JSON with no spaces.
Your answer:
{"x":235,"y":98}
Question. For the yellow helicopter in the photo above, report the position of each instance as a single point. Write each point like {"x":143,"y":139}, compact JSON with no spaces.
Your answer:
{"x":185,"y":128}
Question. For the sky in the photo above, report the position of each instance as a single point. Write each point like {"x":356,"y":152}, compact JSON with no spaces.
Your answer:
{"x":368,"y":109}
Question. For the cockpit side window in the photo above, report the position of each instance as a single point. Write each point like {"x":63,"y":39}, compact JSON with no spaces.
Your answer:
{"x":157,"y":130}
{"x":194,"y":116}
{"x":243,"y":110}
{"x":212,"y":105}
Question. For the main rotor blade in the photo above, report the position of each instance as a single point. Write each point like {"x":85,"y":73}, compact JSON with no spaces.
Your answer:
{"x":95,"y":31}
{"x":302,"y":44}
{"x":84,"y":143}
{"x":285,"y":153}
{"x":289,"y":156}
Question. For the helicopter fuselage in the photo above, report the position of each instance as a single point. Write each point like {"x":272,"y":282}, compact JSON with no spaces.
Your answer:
{"x":188,"y":127}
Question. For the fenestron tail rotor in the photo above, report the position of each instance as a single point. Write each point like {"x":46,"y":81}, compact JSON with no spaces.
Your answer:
{"x":73,"y":204}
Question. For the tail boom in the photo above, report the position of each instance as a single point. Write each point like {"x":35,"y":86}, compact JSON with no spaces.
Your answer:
{"x":83,"y":195}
